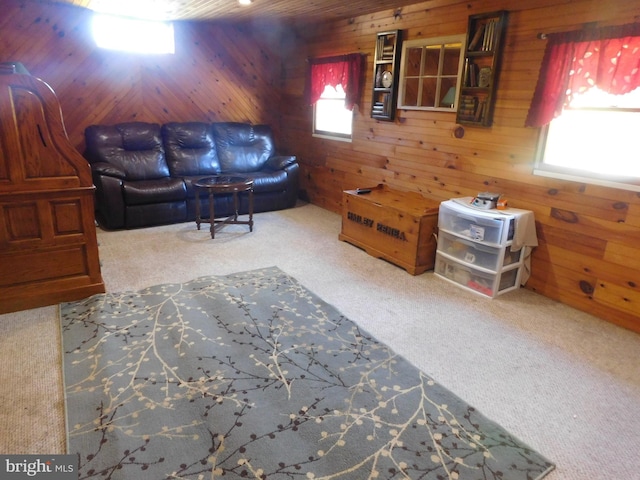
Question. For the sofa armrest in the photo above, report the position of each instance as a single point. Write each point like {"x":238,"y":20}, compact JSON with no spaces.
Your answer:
{"x":110,"y":205}
{"x":280,"y":162}
{"x":107,"y":169}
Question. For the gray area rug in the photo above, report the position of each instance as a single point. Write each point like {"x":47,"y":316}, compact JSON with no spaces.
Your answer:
{"x":250,"y":375}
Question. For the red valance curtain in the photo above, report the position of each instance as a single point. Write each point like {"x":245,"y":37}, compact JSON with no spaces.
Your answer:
{"x":342,"y":70}
{"x":574,"y":62}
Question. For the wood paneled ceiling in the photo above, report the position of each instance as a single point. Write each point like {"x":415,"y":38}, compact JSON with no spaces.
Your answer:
{"x":295,"y":11}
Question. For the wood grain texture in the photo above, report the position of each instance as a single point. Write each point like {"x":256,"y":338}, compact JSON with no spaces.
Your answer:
{"x":291,"y":11}
{"x":589,"y":235}
{"x":397,"y":226}
{"x":218,"y":73}
{"x":48,"y":246}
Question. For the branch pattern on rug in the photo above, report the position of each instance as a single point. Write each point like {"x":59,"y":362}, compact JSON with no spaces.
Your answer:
{"x":250,"y":375}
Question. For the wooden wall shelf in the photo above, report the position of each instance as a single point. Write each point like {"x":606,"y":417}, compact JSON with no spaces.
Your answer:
{"x":482,"y":58}
{"x":386,"y":70}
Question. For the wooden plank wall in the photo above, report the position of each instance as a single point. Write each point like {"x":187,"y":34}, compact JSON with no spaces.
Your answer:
{"x":589,"y":235}
{"x":218,"y":73}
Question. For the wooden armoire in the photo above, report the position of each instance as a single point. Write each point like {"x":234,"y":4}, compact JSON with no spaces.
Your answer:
{"x":48,"y":245}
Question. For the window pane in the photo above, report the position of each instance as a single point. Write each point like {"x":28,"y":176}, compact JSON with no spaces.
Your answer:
{"x":451,"y":60}
{"x":411,"y":92}
{"x":133,"y":35}
{"x":448,"y":91}
{"x":429,"y":92}
{"x":330,"y":117}
{"x":602,"y":142}
{"x":594,"y":141}
{"x":414,"y":57}
{"x":431,"y":60}
{"x":330,"y":114}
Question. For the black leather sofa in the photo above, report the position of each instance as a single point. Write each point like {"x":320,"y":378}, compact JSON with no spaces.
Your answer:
{"x":144,"y":172}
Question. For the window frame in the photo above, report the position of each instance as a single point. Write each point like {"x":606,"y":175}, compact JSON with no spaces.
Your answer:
{"x":543,"y":169}
{"x":424,"y":43}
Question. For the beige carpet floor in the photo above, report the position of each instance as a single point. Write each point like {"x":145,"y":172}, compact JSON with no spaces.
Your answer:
{"x":566,"y":383}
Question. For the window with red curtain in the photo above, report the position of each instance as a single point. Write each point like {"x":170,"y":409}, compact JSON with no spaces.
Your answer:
{"x":342,"y":70}
{"x":574,"y":62}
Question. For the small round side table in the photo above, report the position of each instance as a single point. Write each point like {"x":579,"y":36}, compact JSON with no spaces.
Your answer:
{"x":221,"y":184}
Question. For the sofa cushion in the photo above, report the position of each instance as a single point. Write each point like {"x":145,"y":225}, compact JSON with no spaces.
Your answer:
{"x":134,"y":147}
{"x":190,"y":149}
{"x":162,"y":190}
{"x":267,"y":181}
{"x":242,"y":147}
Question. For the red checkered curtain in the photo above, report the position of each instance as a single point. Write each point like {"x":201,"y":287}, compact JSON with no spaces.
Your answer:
{"x":342,"y":70}
{"x":574,"y":62}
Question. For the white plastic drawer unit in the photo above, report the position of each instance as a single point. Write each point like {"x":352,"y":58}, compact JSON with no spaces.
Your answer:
{"x":489,"y":284}
{"x":479,"y":226}
{"x":476,"y":254}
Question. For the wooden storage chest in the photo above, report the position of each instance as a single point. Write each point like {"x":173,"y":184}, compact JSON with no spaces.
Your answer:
{"x":397,"y":226}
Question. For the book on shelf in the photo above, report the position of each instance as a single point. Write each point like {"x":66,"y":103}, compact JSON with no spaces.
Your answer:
{"x":473,"y":75}
{"x":383,"y":50}
{"x":468,"y":107}
{"x":465,"y":78}
{"x":385,"y":104}
{"x":489,"y":34}
{"x":479,"y":114}
{"x":472,"y":109}
{"x":382,"y":107}
{"x":378,"y":79}
{"x":475,"y":40}
{"x":484,"y":37}
{"x":377,"y":108}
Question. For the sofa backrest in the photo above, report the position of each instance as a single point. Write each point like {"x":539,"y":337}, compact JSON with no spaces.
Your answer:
{"x":243,"y":147}
{"x":134,"y":147}
{"x":190,"y":149}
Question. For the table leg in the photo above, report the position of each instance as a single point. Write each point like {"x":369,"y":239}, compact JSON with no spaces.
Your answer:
{"x":212,"y":215}
{"x":198,"y":217}
{"x":235,"y":206}
{"x":251,"y":210}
